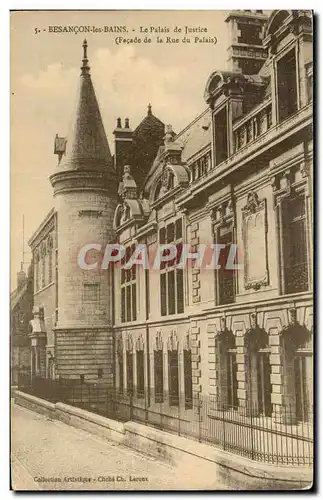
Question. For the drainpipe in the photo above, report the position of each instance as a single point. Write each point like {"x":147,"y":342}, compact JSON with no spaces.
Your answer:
{"x":147,"y":328}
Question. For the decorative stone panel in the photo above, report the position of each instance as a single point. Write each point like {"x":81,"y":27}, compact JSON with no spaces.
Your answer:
{"x":254,"y":229}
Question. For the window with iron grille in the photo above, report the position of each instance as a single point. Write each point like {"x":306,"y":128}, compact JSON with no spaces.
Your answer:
{"x":128,"y":289}
{"x":173,"y":380}
{"x":188,"y":387}
{"x":140,"y":373}
{"x":294,"y":235}
{"x":159,"y":376}
{"x":171,"y":278}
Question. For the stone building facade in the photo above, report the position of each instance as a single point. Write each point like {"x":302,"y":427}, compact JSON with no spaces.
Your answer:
{"x":241,"y":173}
{"x":21,"y":305}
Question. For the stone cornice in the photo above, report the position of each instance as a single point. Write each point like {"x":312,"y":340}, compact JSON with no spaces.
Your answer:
{"x":84,"y":180}
{"x":275,"y":135}
{"x":45,"y":227}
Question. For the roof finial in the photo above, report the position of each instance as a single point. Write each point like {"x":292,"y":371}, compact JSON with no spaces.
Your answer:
{"x":149,"y":113}
{"x":85,"y":68}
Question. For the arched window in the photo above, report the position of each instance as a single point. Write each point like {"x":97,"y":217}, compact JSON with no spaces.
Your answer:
{"x":226,"y":355}
{"x":298,"y":372}
{"x":276,"y":21}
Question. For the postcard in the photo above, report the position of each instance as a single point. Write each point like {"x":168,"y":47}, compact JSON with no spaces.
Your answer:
{"x":161,"y":250}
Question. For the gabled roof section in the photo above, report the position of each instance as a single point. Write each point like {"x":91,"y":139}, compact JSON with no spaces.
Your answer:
{"x":17,"y":295}
{"x":196,"y":136}
{"x":88,"y":146}
{"x":147,"y":121}
{"x":193,"y":139}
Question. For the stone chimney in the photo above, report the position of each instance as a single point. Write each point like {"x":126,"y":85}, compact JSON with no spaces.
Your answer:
{"x":246,"y":53}
{"x":21,"y":278}
{"x":123,"y":146}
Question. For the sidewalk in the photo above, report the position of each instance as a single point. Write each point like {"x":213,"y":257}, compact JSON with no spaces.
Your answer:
{"x":49,"y":455}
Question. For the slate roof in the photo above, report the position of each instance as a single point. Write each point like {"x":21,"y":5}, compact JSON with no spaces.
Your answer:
{"x":87,"y":146}
{"x":196,"y":136}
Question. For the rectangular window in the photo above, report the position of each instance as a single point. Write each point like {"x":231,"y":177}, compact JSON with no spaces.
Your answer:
{"x":171,"y":278}
{"x":173,"y":382}
{"x":140,"y":374}
{"x":129,"y":359}
{"x":100,"y":372}
{"x":50,"y":266}
{"x":303,"y":386}
{"x":128,"y":290}
{"x":287,"y":85}
{"x":91,"y":292}
{"x":188,"y":387}
{"x":159,"y":376}
{"x":295,"y":245}
{"x":221,"y":136}
{"x":226,"y":277}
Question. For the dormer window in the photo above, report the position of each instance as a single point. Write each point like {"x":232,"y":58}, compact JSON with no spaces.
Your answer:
{"x":287,"y":86}
{"x":221,"y":136}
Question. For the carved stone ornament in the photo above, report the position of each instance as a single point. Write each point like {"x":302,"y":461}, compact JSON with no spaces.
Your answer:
{"x":254,"y":230}
{"x":120,"y":345}
{"x":253,"y":203}
{"x":129,"y":343}
{"x":159,"y":341}
{"x":292,"y":316}
{"x":125,"y":213}
{"x":90,"y":213}
{"x":172,"y":343}
{"x":223,"y":324}
{"x":140,"y":343}
{"x":223,"y":212}
{"x":305,"y":169}
{"x":187,"y":342}
{"x":253,"y":320}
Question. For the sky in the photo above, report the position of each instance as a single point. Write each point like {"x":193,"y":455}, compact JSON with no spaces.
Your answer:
{"x":45,"y":69}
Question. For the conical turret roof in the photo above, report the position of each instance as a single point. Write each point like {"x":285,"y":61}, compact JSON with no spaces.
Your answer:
{"x":87,"y":146}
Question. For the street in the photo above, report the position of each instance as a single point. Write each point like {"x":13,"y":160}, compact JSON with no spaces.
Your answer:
{"x":49,"y":455}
